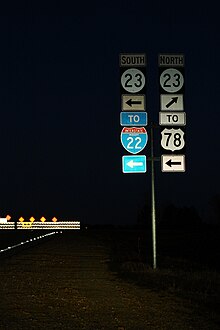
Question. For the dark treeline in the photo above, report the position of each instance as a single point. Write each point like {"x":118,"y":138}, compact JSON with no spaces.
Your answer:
{"x":172,"y":216}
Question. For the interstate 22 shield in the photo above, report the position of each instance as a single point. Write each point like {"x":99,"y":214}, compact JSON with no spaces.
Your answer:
{"x":134,"y":139}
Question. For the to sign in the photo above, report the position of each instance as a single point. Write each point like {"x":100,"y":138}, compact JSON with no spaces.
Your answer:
{"x":172,"y":139}
{"x":133,"y":118}
{"x":171,"y":80}
{"x":134,"y":139}
{"x":133,"y":80}
{"x":172,"y":118}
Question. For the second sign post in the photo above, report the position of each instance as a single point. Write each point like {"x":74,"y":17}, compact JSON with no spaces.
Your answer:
{"x":172,"y":113}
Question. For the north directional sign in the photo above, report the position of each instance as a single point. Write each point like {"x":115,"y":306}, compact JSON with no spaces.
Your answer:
{"x":173,"y":163}
{"x":134,"y":164}
{"x":133,"y":102}
{"x":171,"y":60}
{"x":133,"y":118}
{"x":134,"y":139}
{"x":172,"y":118}
{"x":171,"y":102}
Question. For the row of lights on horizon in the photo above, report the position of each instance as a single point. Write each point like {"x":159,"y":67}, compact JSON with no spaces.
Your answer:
{"x":32,"y":219}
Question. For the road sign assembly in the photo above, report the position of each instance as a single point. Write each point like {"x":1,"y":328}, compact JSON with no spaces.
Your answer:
{"x":133,"y":118}
{"x":171,"y":72}
{"x":133,"y":114}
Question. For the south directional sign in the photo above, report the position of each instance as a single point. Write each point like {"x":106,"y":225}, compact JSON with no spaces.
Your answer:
{"x":132,"y":60}
{"x":134,"y":164}
{"x":134,"y":139}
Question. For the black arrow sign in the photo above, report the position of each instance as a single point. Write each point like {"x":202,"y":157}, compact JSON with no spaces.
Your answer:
{"x":173,"y":100}
{"x":130,"y":102}
{"x":170,"y":163}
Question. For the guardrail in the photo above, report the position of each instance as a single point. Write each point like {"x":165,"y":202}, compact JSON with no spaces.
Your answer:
{"x":28,"y":241}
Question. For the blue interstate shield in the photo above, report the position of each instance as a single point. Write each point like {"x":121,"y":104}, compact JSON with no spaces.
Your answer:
{"x":134,"y":139}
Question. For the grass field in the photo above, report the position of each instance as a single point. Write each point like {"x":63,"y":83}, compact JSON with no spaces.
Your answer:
{"x":187,"y":263}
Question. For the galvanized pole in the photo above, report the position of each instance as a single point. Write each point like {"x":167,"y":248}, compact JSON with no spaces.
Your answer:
{"x":153,"y":212}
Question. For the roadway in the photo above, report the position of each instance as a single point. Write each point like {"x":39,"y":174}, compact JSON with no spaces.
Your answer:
{"x":66,"y":283}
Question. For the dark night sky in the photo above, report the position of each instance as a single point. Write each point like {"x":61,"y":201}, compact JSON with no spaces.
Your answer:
{"x":60,"y":107}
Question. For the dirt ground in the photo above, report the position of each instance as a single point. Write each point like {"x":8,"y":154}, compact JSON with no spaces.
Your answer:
{"x":65,"y":283}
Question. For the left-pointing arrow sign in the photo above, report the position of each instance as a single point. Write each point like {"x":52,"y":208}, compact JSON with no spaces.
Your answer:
{"x":173,"y":163}
{"x":134,"y":164}
{"x":132,"y":102}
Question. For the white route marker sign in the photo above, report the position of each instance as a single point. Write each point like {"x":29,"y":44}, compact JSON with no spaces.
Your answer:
{"x":133,"y":80}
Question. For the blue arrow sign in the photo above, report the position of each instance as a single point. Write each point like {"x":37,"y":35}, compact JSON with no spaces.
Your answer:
{"x":133,"y":118}
{"x":134,"y":164}
{"x":134,"y":139}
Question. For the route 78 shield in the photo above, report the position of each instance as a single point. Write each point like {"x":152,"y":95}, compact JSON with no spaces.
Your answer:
{"x":172,"y":139}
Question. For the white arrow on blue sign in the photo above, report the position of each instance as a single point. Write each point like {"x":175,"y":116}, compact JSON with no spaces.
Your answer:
{"x":134,"y":164}
{"x":134,"y":139}
{"x":133,"y":118}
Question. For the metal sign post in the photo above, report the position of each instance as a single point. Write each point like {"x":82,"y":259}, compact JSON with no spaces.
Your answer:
{"x":153,"y":209}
